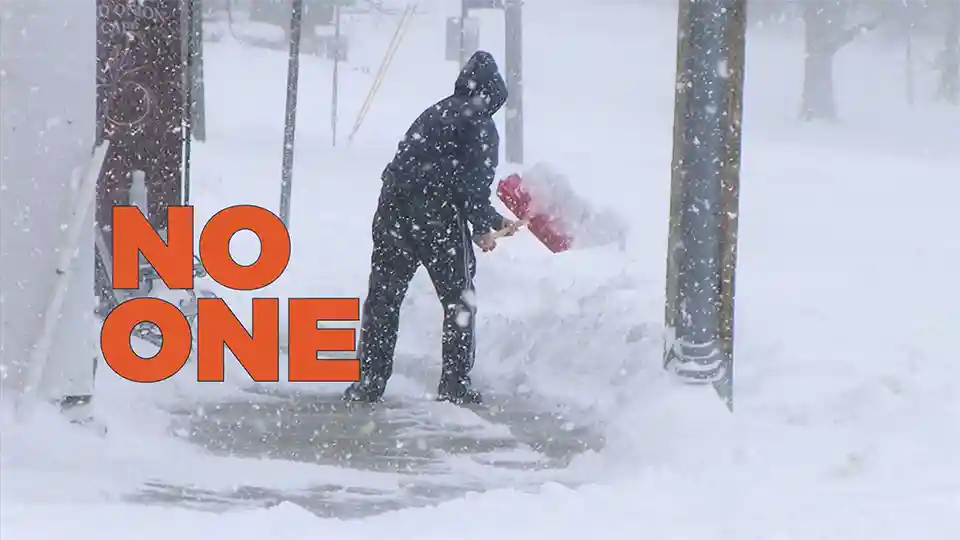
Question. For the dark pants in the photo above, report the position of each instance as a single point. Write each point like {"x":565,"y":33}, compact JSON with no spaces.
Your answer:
{"x":410,"y":230}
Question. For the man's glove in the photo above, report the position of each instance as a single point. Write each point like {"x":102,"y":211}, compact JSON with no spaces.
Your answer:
{"x":488,"y":241}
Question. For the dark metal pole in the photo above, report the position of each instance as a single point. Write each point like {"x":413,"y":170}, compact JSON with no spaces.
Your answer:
{"x":464,"y":13}
{"x":188,"y":96}
{"x":336,"y":73}
{"x":701,"y":257}
{"x":513,"y":29}
{"x":198,"y":103}
{"x":290,"y":125}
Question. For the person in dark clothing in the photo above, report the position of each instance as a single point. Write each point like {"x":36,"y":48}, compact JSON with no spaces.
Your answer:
{"x":434,"y":201}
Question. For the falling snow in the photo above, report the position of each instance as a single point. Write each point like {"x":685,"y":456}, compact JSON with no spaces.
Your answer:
{"x":845,"y":390}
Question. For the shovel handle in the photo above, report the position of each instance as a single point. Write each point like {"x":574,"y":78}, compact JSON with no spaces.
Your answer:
{"x":506,"y":230}
{"x":502,"y":232}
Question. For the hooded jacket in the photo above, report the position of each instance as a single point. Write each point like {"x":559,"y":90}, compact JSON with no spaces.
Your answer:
{"x":451,"y":151}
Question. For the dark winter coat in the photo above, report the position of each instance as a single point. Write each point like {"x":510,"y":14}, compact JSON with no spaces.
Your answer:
{"x":451,"y":151}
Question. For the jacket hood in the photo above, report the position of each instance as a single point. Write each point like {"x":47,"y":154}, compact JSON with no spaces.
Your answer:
{"x":481,"y":83}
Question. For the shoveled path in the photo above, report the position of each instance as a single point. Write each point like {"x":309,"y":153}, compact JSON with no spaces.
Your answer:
{"x":431,"y":452}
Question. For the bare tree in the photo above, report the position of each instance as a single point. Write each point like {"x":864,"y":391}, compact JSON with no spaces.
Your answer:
{"x":826,"y":32}
{"x":949,"y":61}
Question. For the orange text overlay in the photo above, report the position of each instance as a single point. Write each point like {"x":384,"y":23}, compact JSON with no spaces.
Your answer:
{"x":218,"y":328}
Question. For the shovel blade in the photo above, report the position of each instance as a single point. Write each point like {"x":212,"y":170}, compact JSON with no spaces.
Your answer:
{"x":557,"y":216}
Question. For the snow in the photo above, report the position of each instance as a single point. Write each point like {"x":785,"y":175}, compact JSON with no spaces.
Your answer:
{"x":61,"y":128}
{"x":552,"y":195}
{"x":847,"y":421}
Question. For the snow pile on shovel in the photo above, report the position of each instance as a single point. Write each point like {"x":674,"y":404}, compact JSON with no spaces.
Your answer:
{"x":586,"y":226}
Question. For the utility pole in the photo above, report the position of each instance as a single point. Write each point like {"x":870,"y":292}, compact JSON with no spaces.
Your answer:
{"x":705,"y":182}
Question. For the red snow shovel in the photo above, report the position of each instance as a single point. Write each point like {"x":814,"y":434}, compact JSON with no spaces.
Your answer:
{"x":561,"y":220}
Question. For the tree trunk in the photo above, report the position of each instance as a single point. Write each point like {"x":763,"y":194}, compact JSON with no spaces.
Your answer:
{"x":950,"y":65}
{"x":823,"y":24}
{"x":818,"y":99}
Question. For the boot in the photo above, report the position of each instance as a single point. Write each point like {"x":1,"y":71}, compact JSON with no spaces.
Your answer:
{"x":364,"y":391}
{"x":459,"y":392}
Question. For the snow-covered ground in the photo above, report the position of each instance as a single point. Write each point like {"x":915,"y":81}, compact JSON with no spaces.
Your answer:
{"x":847,"y":422}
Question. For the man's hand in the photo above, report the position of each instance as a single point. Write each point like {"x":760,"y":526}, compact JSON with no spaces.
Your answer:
{"x":486,"y":242}
{"x":510,"y":227}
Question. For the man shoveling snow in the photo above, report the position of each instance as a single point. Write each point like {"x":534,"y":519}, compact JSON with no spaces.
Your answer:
{"x":435,"y":199}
